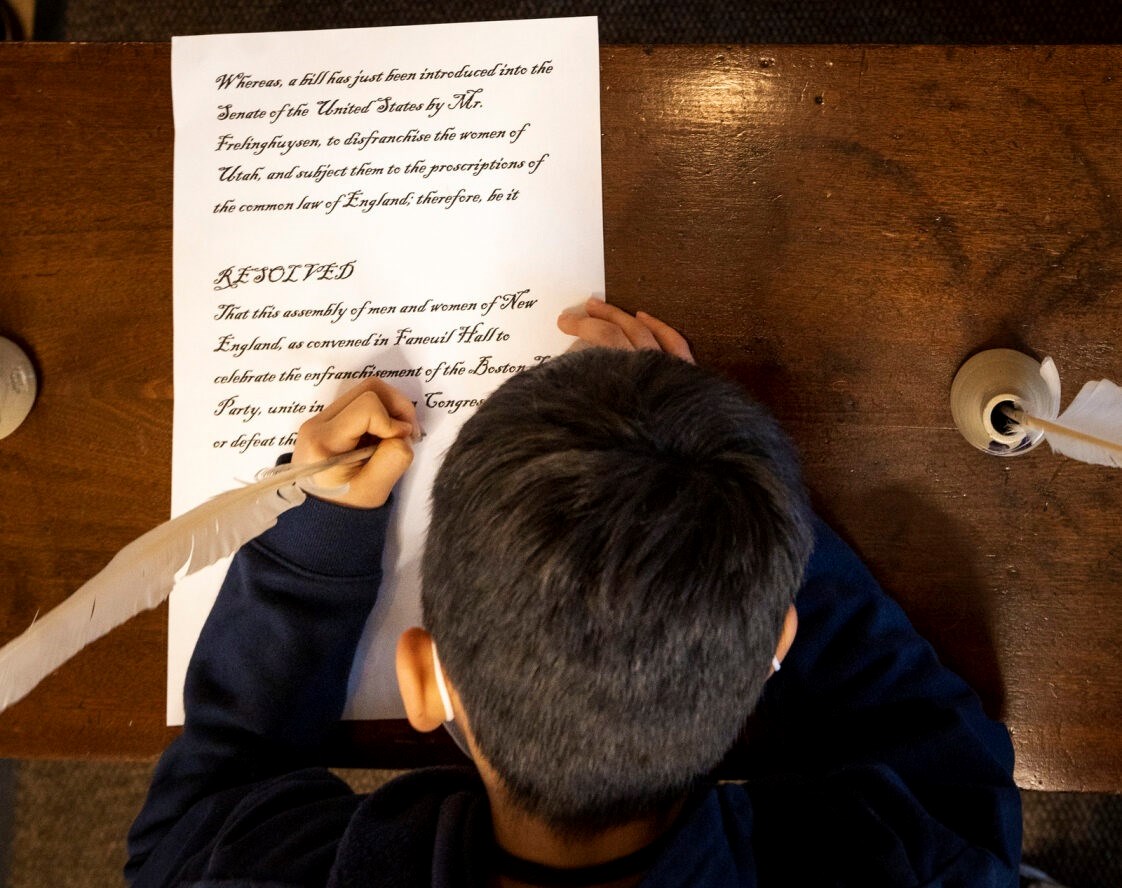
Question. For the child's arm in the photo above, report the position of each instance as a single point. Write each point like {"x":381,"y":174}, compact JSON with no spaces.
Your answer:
{"x":610,"y":327}
{"x":877,"y":754}
{"x":269,"y":673}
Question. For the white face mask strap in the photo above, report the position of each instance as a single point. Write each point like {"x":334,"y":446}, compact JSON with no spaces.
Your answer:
{"x":445,"y":698}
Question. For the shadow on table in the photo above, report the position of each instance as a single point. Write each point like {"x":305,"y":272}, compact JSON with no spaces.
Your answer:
{"x":925,"y":561}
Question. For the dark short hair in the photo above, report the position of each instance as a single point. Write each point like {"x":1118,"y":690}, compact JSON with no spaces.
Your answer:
{"x":615,"y":540}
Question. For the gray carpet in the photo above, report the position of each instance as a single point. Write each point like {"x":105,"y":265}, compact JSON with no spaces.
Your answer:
{"x":63,"y":825}
{"x":621,"y":21}
{"x":69,"y":822}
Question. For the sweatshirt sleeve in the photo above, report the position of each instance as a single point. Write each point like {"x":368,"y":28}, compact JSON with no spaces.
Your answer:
{"x":879,"y":756}
{"x":268,"y":676}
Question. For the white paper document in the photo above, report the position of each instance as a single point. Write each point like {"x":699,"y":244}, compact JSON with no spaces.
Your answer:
{"x":418,"y":203}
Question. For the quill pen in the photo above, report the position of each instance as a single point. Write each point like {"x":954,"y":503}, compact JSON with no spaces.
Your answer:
{"x":142,"y":574}
{"x":1090,"y":430}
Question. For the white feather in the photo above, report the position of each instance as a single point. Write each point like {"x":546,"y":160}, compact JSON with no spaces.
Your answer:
{"x":1090,"y":430}
{"x":1051,"y":378}
{"x":142,"y":574}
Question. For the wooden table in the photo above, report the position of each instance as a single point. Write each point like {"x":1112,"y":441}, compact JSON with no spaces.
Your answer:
{"x":838,"y":228}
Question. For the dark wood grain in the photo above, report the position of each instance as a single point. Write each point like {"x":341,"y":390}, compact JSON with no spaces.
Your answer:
{"x":837,"y":228}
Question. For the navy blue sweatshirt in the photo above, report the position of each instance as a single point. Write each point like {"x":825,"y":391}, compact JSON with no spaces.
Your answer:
{"x":872,"y":764}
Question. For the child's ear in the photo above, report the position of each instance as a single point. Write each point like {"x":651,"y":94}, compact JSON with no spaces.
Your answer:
{"x":416,"y":680}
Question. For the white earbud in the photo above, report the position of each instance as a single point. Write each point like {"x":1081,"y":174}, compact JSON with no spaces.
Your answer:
{"x":774,"y":663}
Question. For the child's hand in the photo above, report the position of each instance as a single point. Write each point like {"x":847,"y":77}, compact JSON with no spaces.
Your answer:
{"x":612,"y":327}
{"x":370,"y":411}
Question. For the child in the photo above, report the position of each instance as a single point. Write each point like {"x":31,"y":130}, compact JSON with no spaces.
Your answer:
{"x":620,"y":556}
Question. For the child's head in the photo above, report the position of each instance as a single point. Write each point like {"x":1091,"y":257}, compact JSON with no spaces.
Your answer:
{"x":615,"y":541}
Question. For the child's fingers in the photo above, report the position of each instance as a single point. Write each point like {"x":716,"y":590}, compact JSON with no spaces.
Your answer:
{"x":636,"y":332}
{"x":371,"y":407}
{"x":607,"y":326}
{"x":670,"y":340}
{"x":397,"y":405}
{"x":364,"y":415}
{"x":361,"y":414}
{"x":336,"y":407}
{"x":594,"y":331}
{"x":612,"y":327}
{"x":371,"y":487}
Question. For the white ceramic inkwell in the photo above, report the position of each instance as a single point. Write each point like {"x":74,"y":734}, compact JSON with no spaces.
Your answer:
{"x":997,"y":380}
{"x":17,"y":386}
